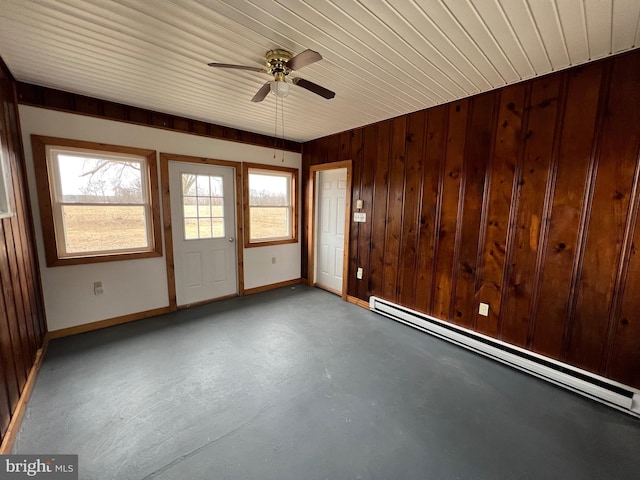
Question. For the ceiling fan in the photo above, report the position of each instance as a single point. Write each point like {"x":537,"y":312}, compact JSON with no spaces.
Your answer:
{"x":280,"y":63}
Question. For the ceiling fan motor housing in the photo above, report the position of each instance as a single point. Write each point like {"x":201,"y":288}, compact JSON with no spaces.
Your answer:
{"x":277,"y":63}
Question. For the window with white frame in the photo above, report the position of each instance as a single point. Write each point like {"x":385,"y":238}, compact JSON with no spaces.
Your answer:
{"x":270,"y":205}
{"x":99,"y":203}
{"x":5,"y":206}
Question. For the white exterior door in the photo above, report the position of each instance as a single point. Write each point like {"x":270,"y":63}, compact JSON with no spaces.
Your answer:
{"x":330,"y":221}
{"x":203,"y":231}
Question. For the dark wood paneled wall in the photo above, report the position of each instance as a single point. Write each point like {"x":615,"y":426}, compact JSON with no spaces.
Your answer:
{"x":44,"y":97}
{"x":525,"y":198}
{"x":22,"y":323}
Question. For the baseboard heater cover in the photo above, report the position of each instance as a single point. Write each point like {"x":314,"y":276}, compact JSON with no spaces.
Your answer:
{"x":596,"y":387}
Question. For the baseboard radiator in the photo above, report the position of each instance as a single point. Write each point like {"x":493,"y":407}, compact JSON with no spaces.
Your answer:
{"x":601,"y":389}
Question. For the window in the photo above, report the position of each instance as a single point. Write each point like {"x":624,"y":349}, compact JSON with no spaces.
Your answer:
{"x":97,"y":202}
{"x":5,"y":206}
{"x":270,"y":215}
{"x":203,"y":204}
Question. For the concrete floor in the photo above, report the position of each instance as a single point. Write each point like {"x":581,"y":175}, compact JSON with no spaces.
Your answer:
{"x":296,"y":384}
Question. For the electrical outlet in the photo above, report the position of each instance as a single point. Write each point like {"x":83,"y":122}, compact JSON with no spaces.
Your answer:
{"x":97,"y":288}
{"x":484,"y":309}
{"x":273,"y":260}
{"x":359,"y":273}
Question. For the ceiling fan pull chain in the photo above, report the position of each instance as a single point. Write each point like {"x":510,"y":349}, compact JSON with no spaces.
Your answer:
{"x":275,"y":132}
{"x":282,"y":117}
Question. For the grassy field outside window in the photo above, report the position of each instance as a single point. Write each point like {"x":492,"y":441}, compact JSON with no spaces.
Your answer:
{"x":270,"y":214}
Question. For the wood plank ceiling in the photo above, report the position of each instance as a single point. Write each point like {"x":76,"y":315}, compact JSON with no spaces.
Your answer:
{"x":382,"y":58}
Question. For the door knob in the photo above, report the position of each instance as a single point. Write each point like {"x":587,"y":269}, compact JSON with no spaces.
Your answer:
{"x":231,"y":239}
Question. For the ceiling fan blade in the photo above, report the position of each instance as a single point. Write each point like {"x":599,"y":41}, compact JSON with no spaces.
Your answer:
{"x":238,"y":67}
{"x":314,"y":87}
{"x":262,"y":93}
{"x":303,"y":59}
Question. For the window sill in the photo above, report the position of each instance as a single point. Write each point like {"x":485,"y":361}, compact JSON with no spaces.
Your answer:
{"x":269,"y":243}
{"x":112,"y":257}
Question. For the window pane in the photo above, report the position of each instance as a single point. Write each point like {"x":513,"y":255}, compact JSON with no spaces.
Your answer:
{"x":204,"y":227}
{"x":87,"y":179}
{"x":269,"y":222}
{"x":218,"y":227}
{"x":190,"y":208}
{"x":217,"y":207}
{"x":99,"y":228}
{"x":4,"y":186}
{"x":268,"y":190}
{"x":188,"y":184}
{"x":190,"y":228}
{"x":204,"y":211}
{"x":216,"y":186}
{"x":202,"y":185}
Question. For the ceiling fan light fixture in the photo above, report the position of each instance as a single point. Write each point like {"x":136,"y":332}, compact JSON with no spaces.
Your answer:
{"x":280,"y":88}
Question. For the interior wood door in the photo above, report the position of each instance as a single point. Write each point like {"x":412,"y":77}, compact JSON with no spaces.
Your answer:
{"x":330,"y":223}
{"x":203,"y":231}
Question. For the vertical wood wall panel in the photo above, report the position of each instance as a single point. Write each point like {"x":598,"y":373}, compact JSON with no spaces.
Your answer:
{"x":574,"y":151}
{"x":533,"y":179}
{"x":479,"y":143}
{"x":356,"y":165}
{"x":616,"y":163}
{"x":22,"y":325}
{"x":9,"y":356}
{"x":492,"y":191}
{"x":413,"y":177}
{"x":623,"y":352}
{"x":454,"y":158}
{"x":429,"y":219}
{"x":395,"y":193}
{"x":15,"y":328}
{"x":379,"y":210}
{"x":506,"y":150}
{"x":369,"y":149}
{"x":5,"y":402}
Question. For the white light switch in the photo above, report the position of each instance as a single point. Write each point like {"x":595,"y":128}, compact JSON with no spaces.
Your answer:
{"x":359,"y":204}
{"x":359,"y":273}
{"x":359,"y":217}
{"x":484,"y":309}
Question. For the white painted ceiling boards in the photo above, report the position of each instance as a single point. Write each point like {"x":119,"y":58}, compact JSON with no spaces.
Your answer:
{"x":383,"y":58}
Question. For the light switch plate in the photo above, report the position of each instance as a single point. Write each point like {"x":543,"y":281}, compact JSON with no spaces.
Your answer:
{"x":484,"y":309}
{"x":359,"y":204}
{"x":359,"y":273}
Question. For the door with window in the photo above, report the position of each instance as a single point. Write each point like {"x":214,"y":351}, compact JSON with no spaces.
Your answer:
{"x":330,"y":228}
{"x":203,"y":231}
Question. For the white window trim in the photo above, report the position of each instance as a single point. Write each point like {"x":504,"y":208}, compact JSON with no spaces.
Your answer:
{"x":5,"y":188}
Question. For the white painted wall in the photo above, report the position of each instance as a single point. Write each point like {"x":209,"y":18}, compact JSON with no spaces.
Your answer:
{"x":135,"y":286}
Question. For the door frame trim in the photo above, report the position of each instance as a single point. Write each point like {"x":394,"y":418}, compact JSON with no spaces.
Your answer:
{"x":311,"y":215}
{"x":166,"y":217}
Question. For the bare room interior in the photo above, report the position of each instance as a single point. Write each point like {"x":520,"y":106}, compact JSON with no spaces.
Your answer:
{"x":328,"y":239}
